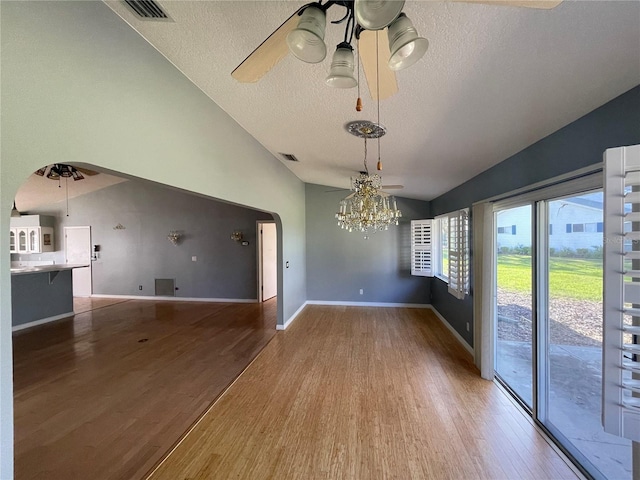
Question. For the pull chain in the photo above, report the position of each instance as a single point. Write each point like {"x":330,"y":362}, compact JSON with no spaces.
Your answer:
{"x":359,"y":101}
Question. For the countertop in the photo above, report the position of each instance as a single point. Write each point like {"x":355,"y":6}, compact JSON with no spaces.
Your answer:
{"x":45,"y":268}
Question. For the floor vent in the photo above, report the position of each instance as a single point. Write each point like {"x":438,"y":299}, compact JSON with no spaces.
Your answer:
{"x":147,"y":9}
{"x":165,"y":287}
{"x":289,"y":157}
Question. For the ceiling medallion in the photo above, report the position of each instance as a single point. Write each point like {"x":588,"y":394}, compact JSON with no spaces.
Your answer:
{"x":365,"y":129}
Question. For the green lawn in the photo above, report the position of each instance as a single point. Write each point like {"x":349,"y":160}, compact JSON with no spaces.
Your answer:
{"x":575,"y":278}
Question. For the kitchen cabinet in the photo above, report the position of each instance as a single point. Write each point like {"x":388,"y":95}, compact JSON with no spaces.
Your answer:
{"x":31,"y":234}
{"x":13,"y":242}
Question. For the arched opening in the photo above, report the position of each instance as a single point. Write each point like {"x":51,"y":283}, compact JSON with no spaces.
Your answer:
{"x":171,"y":318}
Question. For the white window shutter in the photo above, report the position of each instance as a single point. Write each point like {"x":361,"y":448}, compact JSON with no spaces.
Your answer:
{"x":421,"y":248}
{"x":459,"y":253}
{"x":621,"y":333}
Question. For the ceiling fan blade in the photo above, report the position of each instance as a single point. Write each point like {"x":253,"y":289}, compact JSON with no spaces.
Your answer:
{"x":367,"y":46}
{"x":268,"y":53}
{"x":542,"y":4}
{"x":86,"y":171}
{"x":393,"y":187}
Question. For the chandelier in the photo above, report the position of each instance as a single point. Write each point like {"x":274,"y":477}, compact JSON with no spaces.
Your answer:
{"x":367,"y":208}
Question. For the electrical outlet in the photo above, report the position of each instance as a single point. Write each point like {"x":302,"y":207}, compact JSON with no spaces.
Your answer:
{"x":139,"y":287}
{"x":467,"y":326}
{"x":194,"y":259}
{"x":362,"y":291}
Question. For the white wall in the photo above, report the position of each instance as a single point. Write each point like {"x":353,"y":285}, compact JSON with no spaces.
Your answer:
{"x":79,"y":85}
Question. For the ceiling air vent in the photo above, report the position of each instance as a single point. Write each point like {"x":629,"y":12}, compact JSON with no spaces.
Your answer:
{"x":289,"y":157}
{"x":147,"y":9}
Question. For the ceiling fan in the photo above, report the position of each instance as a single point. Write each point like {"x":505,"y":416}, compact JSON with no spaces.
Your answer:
{"x":302,"y":34}
{"x":61,"y":170}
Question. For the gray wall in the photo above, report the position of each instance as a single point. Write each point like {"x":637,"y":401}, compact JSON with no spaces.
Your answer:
{"x":34,"y":298}
{"x":340,"y":263}
{"x":579,"y":144}
{"x":140,"y":253}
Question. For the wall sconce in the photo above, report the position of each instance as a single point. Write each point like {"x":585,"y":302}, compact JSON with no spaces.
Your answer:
{"x":174,"y":237}
{"x":237,"y":236}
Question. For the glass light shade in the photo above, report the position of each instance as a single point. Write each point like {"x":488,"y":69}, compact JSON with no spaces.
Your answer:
{"x":404,"y":43}
{"x":306,"y":41}
{"x":342,"y":65}
{"x":377,"y":14}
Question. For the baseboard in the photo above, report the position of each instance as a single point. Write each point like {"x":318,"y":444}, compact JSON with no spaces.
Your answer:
{"x":42,"y":321}
{"x":368,"y":304}
{"x":291,"y":318}
{"x":177,"y":299}
{"x":462,"y":341}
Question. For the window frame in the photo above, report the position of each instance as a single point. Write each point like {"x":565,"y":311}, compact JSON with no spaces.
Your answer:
{"x":438,"y":249}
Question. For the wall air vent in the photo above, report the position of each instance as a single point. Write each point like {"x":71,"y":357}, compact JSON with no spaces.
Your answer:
{"x":147,"y":9}
{"x":289,"y":157}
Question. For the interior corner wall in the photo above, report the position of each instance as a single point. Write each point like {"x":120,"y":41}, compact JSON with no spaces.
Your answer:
{"x":139,"y":253}
{"x":579,"y":144}
{"x":80,"y":86}
{"x":340,"y":263}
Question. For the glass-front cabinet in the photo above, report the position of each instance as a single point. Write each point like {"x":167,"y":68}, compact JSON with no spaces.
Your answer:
{"x":13,"y":245}
{"x":31,"y":239}
{"x":23,"y":246}
{"x":34,"y":240}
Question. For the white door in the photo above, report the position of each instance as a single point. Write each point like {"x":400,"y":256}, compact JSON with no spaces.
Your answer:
{"x":77,"y":250}
{"x":268,"y":260}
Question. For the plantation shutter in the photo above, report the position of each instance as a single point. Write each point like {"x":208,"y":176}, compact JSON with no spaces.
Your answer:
{"x":459,"y":253}
{"x":421,"y":248}
{"x":621,"y":334}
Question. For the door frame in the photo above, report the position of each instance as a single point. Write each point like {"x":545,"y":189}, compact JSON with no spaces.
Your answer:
{"x":259,"y":224}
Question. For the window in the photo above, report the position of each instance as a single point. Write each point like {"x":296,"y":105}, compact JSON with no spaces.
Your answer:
{"x":440,"y":248}
{"x":441,"y":252}
{"x":593,"y":227}
{"x":511,"y":230}
{"x":459,"y":253}
{"x":421,"y":251}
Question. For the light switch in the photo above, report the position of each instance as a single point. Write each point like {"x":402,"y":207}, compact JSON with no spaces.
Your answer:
{"x":194,"y":259}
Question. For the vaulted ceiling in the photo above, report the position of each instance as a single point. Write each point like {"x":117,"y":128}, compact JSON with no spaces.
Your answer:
{"x":495,"y":80}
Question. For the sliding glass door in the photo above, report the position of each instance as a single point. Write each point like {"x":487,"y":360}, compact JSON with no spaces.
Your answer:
{"x":571,"y":334}
{"x":548,"y":325}
{"x":514,"y":301}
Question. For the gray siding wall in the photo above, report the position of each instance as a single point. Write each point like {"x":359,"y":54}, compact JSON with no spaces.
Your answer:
{"x":340,"y":263}
{"x":141,"y":252}
{"x":579,"y":144}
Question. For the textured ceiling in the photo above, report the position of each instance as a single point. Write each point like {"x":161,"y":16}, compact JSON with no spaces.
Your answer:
{"x":495,"y":80}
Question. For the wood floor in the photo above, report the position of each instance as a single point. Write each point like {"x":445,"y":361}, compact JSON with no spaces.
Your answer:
{"x":105,"y":395}
{"x":363,"y":393}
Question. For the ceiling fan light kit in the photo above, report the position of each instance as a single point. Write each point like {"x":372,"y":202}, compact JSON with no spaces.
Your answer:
{"x":341,"y":74}
{"x":377,"y":14}
{"x":404,"y":43}
{"x":306,"y":41}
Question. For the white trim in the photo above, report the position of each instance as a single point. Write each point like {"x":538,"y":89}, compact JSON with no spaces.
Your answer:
{"x":591,"y":169}
{"x":42,"y":321}
{"x":178,"y":299}
{"x":292,"y":317}
{"x":368,"y":304}
{"x":462,"y":341}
